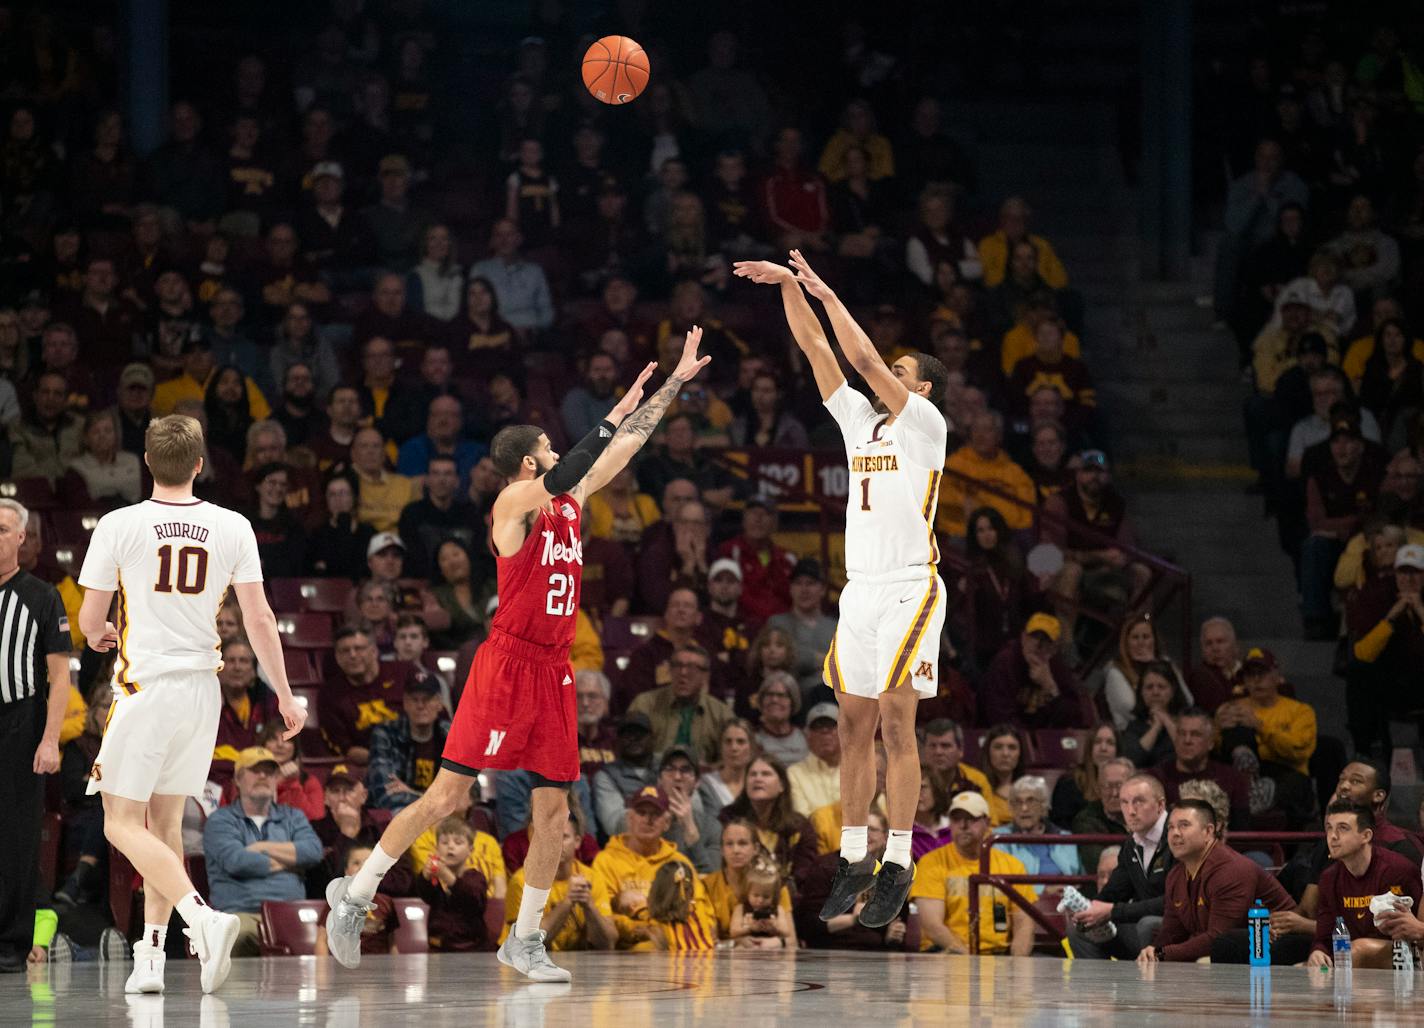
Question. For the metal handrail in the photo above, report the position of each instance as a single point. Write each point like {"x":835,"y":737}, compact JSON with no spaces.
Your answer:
{"x":1002,"y":882}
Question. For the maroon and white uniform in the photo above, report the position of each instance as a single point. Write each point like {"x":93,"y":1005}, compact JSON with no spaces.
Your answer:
{"x":518,"y":709}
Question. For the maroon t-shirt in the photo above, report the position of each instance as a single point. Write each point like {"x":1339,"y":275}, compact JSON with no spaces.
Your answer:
{"x":1342,"y":894}
{"x":1232,"y":782}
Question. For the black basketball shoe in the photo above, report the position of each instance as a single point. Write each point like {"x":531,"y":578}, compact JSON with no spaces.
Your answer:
{"x":850,"y":881}
{"x":892,"y":888}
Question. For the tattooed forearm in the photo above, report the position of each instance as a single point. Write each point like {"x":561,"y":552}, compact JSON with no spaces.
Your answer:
{"x":642,"y":421}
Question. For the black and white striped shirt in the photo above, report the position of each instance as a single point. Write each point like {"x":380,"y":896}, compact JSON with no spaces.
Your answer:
{"x":33,"y":625}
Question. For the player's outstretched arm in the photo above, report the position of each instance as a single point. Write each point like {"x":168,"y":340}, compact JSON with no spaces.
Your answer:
{"x":859,"y":350}
{"x":261,"y":626}
{"x":805,"y":327}
{"x":638,"y":426}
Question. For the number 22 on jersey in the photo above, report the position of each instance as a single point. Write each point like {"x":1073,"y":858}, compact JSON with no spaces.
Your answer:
{"x":560,"y":601}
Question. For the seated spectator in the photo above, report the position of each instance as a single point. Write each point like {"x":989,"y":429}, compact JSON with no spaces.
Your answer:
{"x":772,"y":650}
{"x":383,"y":494}
{"x":620,"y":512}
{"x":766,"y":803}
{"x":735,"y":750}
{"x":59,"y":353}
{"x":740,"y":853}
{"x":677,"y":550}
{"x":942,"y":896}
{"x":375,"y":603}
{"x":807,"y":624}
{"x":1213,"y":678}
{"x":997,"y":590}
{"x":362,"y":694}
{"x":1386,"y":632}
{"x":519,"y":285}
{"x":942,"y":751}
{"x":844,"y":931}
{"x":455,"y":892}
{"x":1369,"y":257}
{"x":484,"y":856}
{"x":347,"y":821}
{"x":1393,"y":383}
{"x":338,"y":547}
{"x":343,"y":420}
{"x":776,"y":702}
{"x":794,"y":196}
{"x":694,"y":828}
{"x":595,"y":728}
{"x":1150,"y":737}
{"x":1103,"y":816}
{"x":379,"y":928}
{"x":281,"y":540}
{"x":1360,"y":872}
{"x":133,"y":406}
{"x":983,"y":460}
{"x":623,"y":873}
{"x":930,"y":829}
{"x":667,"y":707}
{"x":1191,"y":759}
{"x":1075,"y":790}
{"x":458,"y":595}
{"x":1132,"y":900}
{"x":247,"y":706}
{"x":1005,"y":305}
{"x":1357,"y":355}
{"x":298,"y":340}
{"x":296,"y":787}
{"x":589,"y":402}
{"x":480,"y":338}
{"x":256,"y":849}
{"x":1003,"y":756}
{"x":1049,"y":365}
{"x":630,"y":770}
{"x":103,"y":475}
{"x":48,"y":438}
{"x":436,"y":284}
{"x":229,"y":414}
{"x":1029,"y":683}
{"x":766,"y":567}
{"x":405,"y":752}
{"x":1328,"y":387}
{"x":649,"y":665}
{"x":994,"y":249}
{"x":1271,"y":736}
{"x":767,"y":423}
{"x":1028,"y":799}
{"x":1209,"y":889}
{"x":816,"y":778}
{"x":443,"y":424}
{"x":678,"y":458}
{"x":571,"y":920}
{"x":827,"y":821}
{"x":1021,"y":341}
{"x":722,"y":622}
{"x":442,"y":515}
{"x":1331,"y":301}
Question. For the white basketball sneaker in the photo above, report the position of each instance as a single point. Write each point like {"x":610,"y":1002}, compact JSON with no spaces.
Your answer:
{"x":528,"y":956}
{"x":147,"y":975}
{"x":212,"y":941}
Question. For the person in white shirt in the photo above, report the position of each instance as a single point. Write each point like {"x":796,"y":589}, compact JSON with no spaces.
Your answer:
{"x":169,"y":562}
{"x":816,"y":779}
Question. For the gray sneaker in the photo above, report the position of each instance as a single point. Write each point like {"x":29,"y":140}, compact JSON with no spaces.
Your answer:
{"x":343,"y":927}
{"x":528,"y":956}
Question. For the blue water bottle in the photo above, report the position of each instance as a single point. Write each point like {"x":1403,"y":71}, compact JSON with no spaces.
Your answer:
{"x":1258,"y":928}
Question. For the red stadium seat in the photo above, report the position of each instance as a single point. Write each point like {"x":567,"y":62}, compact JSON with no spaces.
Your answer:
{"x":71,"y":527}
{"x":309,"y":695}
{"x":325,"y":595}
{"x":301,"y":668}
{"x":1059,"y":748}
{"x":286,"y":594}
{"x":33,"y":493}
{"x":306,"y":631}
{"x":412,"y":934}
{"x":289,"y":929}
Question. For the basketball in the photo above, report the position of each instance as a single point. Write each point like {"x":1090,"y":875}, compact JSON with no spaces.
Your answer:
{"x":615,"y":69}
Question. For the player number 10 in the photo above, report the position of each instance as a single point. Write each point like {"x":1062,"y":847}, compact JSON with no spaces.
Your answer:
{"x":192,"y":570}
{"x":560,"y":601}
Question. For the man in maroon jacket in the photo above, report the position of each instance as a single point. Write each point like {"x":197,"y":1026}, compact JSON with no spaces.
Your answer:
{"x":1209,"y":889}
{"x":1361,"y":871}
{"x":1029,"y":685}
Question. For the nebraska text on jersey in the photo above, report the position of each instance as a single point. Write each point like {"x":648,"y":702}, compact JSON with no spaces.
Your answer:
{"x":556,"y":552}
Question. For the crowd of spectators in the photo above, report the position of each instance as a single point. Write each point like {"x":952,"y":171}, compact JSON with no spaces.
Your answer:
{"x":352,"y":304}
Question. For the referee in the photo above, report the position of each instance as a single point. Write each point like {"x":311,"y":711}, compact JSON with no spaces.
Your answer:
{"x":34,"y":689}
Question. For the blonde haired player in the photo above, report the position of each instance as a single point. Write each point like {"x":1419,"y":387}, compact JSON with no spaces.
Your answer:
{"x":170,"y":560}
{"x":885,"y":652}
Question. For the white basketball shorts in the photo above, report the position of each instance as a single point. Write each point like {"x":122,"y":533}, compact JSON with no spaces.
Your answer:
{"x":159,"y":738}
{"x":887,"y":632}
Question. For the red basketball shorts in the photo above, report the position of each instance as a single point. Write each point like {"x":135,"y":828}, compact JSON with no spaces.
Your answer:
{"x":518,"y":711}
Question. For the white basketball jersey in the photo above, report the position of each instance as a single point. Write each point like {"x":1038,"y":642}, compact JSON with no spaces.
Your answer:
{"x":171,"y":565}
{"x":895,"y":471}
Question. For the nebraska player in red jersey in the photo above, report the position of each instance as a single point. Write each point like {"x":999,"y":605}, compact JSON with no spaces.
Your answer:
{"x":518,"y":710}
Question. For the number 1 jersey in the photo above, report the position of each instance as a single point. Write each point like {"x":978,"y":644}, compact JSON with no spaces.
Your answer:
{"x":538,"y":587}
{"x":895,"y":471}
{"x":171,"y":565}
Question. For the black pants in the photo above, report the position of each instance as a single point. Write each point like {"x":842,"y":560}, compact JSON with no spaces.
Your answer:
{"x":1234,"y":947}
{"x":1372,"y":693}
{"x":22,"y":801}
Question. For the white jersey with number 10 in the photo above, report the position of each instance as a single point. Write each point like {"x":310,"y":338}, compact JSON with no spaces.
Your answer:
{"x":171,"y":565}
{"x":895,"y":471}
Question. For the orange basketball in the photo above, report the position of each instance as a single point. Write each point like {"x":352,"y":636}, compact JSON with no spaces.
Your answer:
{"x":615,"y":69}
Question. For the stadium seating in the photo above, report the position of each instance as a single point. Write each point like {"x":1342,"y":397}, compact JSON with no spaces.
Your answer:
{"x":412,"y":934}
{"x":306,"y":631}
{"x":289,"y":928}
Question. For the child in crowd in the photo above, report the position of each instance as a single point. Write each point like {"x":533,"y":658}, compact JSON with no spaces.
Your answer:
{"x":674,"y":922}
{"x":570,"y":917}
{"x":455,"y":893}
{"x":725,"y":888}
{"x":377,"y":934}
{"x":758,"y":919}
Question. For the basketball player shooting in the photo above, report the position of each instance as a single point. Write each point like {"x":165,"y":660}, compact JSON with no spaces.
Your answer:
{"x":518,"y":710}
{"x":170,"y":561}
{"x":885,"y":652}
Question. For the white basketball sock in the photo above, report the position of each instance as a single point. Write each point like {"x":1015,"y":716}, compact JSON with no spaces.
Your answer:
{"x":368,"y":879}
{"x":154,"y":935}
{"x":853,"y":843}
{"x":192,"y":909}
{"x":897,"y":848}
{"x":531,"y":911}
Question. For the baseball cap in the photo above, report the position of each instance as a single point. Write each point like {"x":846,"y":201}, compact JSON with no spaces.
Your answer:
{"x":724,"y":564}
{"x":393,"y":164}
{"x":1410,"y":556}
{"x":822,"y":711}
{"x":1045,"y":624}
{"x":635,"y":720}
{"x":649,"y":795}
{"x":971,"y":803}
{"x":330,"y":169}
{"x":808,"y":567}
{"x":423,"y":684}
{"x":677,"y":751}
{"x":136,"y":373}
{"x":1093,"y":459}
{"x":252,"y":756}
{"x":341,"y":773}
{"x":1259,"y":659}
{"x":1345,"y":422}
{"x":384,"y":540}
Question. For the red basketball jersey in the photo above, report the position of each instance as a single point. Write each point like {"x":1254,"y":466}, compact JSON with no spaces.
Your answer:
{"x":539,"y":585}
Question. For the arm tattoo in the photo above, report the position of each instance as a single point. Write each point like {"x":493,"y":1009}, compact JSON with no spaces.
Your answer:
{"x":643,"y":420}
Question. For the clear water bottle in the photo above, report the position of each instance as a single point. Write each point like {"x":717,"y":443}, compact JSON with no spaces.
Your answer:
{"x":1074,"y":902}
{"x":1258,"y":929}
{"x":1340,"y":946}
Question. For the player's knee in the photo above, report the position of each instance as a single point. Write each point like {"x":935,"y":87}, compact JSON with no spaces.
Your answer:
{"x":897,"y":738}
{"x":445,"y":794}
